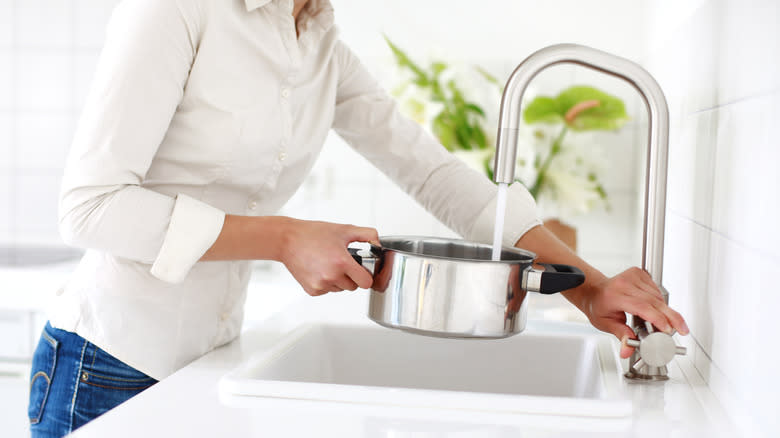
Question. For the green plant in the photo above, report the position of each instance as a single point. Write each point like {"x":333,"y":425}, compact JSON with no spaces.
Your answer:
{"x":577,"y":108}
{"x":461,"y":124}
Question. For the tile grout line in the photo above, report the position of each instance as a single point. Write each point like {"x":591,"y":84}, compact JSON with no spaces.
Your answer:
{"x":758,"y":95}
{"x":725,"y":236}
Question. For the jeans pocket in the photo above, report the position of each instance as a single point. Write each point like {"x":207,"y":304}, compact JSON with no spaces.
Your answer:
{"x":43,"y":364}
{"x":106,"y":371}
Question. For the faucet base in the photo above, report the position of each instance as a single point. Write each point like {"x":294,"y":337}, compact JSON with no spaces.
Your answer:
{"x":633,"y":375}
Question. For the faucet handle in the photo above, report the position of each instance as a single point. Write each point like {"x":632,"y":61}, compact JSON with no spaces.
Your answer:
{"x":656,"y":349}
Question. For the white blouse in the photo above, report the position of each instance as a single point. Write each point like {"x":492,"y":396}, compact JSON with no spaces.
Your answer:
{"x":205,"y":107}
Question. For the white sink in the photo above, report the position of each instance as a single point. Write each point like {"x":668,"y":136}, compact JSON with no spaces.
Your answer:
{"x":551,"y":368}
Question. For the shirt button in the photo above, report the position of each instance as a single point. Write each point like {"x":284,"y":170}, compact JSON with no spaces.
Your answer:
{"x":253,"y":205}
{"x":224,"y":316}
{"x":285,"y":92}
{"x":282,"y":156}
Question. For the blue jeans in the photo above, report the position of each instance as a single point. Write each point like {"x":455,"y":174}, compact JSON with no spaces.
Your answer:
{"x":72,"y":381}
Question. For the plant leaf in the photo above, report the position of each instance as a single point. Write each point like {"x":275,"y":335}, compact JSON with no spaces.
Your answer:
{"x":438,"y":67}
{"x":479,"y":137}
{"x":403,"y":60}
{"x":490,"y":78}
{"x":443,"y":130}
{"x":543,"y":109}
{"x":610,"y":114}
{"x":475,"y":108}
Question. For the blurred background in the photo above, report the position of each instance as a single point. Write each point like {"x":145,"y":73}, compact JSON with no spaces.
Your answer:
{"x":716,"y":60}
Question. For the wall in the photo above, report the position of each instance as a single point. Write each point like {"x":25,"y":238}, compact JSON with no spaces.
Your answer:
{"x":48,"y":49}
{"x":718,"y":63}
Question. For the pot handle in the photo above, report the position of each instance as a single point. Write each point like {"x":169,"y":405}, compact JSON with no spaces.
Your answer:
{"x":555,"y":278}
{"x":366,"y":258}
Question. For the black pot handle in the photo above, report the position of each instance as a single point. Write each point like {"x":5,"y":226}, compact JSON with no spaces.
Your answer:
{"x":366,"y":258}
{"x":557,"y":278}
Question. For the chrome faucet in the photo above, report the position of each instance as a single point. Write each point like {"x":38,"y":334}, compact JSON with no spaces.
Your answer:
{"x":654,"y":349}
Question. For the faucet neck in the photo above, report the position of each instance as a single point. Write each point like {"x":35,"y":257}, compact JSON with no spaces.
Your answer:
{"x":658,"y":139}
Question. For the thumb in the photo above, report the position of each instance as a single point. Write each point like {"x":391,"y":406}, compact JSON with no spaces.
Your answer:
{"x":623,"y":333}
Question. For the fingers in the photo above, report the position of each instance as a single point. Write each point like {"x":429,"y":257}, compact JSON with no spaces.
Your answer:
{"x":358,"y":274}
{"x":622,"y":332}
{"x":676,"y":320}
{"x":362,"y":234}
{"x":632,"y":291}
{"x":344,"y":274}
{"x":344,"y":283}
{"x":649,"y":312}
{"x":642,"y":281}
{"x":673,"y":319}
{"x":650,"y":289}
{"x":321,"y":262}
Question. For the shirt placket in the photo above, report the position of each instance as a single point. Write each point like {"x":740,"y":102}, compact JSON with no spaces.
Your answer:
{"x":290,"y":42}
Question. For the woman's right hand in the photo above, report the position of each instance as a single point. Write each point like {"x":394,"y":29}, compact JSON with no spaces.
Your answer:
{"x":316,"y":254}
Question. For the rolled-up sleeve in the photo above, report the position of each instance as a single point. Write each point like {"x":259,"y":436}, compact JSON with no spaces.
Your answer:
{"x":149,"y":49}
{"x":463,"y":199}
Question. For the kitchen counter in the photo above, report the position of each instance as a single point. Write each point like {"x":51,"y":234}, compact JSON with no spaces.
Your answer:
{"x":188,"y":403}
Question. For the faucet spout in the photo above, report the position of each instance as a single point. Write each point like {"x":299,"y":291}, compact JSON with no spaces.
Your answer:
{"x":657,"y":141}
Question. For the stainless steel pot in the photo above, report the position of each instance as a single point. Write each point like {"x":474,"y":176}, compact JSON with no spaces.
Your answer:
{"x":451,"y":288}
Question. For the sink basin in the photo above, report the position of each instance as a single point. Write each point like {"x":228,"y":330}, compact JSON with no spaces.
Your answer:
{"x":551,"y":368}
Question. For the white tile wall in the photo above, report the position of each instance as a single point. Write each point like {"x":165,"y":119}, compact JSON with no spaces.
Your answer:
{"x":36,"y":207}
{"x":6,"y":139}
{"x":5,"y":213}
{"x":44,"y":23}
{"x":6,"y":23}
{"x":90,"y":19}
{"x":48,"y":50}
{"x":691,"y":168}
{"x":746,"y":177}
{"x":43,"y":140}
{"x":84,"y":64}
{"x":750,"y":42}
{"x":475,"y":31}
{"x":724,"y":198}
{"x":44,"y":80}
{"x":684,"y":58}
{"x":6,"y":78}
{"x":686,"y":274}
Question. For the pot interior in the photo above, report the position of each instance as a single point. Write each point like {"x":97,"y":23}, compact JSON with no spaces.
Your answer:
{"x":453,"y":249}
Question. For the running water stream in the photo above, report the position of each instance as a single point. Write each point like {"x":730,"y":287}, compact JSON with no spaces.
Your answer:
{"x":498,"y":229}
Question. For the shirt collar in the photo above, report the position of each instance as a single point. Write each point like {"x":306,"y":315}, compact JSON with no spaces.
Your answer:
{"x":317,"y":15}
{"x":254,"y":4}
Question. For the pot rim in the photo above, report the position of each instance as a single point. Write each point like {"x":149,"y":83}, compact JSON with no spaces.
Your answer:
{"x":504,"y":249}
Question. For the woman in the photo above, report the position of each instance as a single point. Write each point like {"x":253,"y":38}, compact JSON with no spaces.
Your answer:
{"x":204,"y":118}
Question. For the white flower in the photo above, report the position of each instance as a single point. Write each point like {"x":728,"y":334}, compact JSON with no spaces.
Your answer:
{"x":568,"y":179}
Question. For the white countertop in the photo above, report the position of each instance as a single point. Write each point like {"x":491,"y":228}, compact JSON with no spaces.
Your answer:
{"x":188,"y":403}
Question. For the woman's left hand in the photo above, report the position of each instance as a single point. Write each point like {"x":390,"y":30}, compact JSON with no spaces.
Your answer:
{"x":604,"y":300}
{"x":631,"y":291}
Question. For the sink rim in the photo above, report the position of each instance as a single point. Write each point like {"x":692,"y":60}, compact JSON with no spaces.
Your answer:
{"x":612,"y":403}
